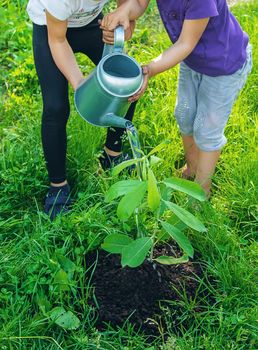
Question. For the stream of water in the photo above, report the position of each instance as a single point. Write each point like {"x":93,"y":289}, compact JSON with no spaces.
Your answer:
{"x":135,"y":144}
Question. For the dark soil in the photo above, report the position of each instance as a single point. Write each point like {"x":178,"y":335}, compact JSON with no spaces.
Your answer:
{"x":135,"y":294}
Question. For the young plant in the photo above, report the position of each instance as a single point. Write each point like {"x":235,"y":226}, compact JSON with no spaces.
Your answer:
{"x":148,"y":200}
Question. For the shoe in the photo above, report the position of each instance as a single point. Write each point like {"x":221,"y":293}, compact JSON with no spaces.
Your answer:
{"x":108,"y":162}
{"x":57,"y":201}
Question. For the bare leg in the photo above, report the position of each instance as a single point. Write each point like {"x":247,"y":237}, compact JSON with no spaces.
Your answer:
{"x":199,"y":164}
{"x":191,"y":155}
{"x":111,"y":153}
{"x":205,"y":169}
{"x":58,"y":184}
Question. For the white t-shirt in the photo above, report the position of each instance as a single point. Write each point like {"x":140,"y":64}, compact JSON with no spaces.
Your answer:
{"x":77,"y":12}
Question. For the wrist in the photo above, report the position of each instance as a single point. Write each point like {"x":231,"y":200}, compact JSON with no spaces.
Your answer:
{"x":150,"y":70}
{"x":76,"y":84}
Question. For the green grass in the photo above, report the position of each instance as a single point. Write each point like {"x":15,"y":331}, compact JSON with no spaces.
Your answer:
{"x":30,"y":244}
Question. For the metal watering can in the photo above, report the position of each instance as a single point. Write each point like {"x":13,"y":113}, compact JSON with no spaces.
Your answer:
{"x":102,"y":99}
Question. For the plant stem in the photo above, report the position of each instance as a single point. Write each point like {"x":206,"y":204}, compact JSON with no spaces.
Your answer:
{"x":139,"y":234}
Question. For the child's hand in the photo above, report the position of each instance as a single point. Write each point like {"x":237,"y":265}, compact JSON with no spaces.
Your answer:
{"x":108,"y":35}
{"x":138,"y":94}
{"x":119,"y":17}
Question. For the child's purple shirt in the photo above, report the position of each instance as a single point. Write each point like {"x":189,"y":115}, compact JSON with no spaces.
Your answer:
{"x":222,"y":47}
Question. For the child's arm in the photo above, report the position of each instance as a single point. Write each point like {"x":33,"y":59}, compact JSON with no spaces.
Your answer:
{"x":190,"y":35}
{"x":61,"y":50}
{"x":129,"y":10}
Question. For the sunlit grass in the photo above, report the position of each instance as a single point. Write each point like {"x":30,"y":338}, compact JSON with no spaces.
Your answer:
{"x":29,"y":242}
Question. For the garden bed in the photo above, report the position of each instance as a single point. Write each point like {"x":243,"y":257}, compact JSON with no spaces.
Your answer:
{"x":136,"y":294}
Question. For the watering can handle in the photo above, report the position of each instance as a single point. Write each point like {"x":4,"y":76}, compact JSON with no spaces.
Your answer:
{"x":119,"y":39}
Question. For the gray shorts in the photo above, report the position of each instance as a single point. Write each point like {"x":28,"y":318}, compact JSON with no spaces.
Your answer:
{"x":204,"y":103}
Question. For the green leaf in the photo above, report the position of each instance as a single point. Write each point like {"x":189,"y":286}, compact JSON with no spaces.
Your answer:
{"x":165,"y":195}
{"x":66,"y":264}
{"x":158,"y":148}
{"x":155,"y":160}
{"x":134,"y":254}
{"x":115,"y":243}
{"x":61,"y":279}
{"x":189,"y":187}
{"x":188,"y":218}
{"x":176,"y":222}
{"x":64,"y":319}
{"x":179,"y":237}
{"x":169,"y":260}
{"x":120,"y":167}
{"x":130,"y":202}
{"x":43,"y":302}
{"x":153,"y":191}
{"x":121,"y":188}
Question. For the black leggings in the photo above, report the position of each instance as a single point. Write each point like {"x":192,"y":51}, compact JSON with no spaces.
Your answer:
{"x":54,"y":88}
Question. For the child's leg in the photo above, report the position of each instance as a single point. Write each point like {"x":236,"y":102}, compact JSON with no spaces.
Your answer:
{"x":54,"y":88}
{"x":185,"y":112}
{"x":191,"y":155}
{"x":205,"y":169}
{"x":215,"y":100}
{"x":199,"y":164}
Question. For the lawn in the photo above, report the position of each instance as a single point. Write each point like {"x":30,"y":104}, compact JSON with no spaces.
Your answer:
{"x":36,"y":254}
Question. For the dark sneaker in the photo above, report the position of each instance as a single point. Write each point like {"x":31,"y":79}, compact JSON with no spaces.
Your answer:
{"x":108,"y":162}
{"x":57,"y":201}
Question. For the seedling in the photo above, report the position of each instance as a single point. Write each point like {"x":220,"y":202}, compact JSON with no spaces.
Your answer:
{"x":148,"y":200}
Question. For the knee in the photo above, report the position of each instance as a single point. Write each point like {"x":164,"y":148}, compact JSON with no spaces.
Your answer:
{"x":56,"y":113}
{"x":184,"y":117}
{"x":209,"y":140}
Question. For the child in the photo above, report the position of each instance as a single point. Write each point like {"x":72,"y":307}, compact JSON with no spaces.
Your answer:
{"x":215,"y":60}
{"x":60,"y":29}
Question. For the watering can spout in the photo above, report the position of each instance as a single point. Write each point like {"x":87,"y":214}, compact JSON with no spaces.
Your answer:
{"x":114,"y":121}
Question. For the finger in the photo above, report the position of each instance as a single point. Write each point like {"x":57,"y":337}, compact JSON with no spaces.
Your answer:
{"x":108,"y":41}
{"x":108,"y":32}
{"x":128,"y":34}
{"x":102,"y":22}
{"x":135,"y":97}
{"x":145,"y":70}
{"x":108,"y":35}
{"x":111,"y":24}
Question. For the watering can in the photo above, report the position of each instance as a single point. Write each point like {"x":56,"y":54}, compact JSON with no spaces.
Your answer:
{"x":102,"y":99}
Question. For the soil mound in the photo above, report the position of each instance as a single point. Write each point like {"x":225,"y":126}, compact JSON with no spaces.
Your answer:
{"x":135,"y":294}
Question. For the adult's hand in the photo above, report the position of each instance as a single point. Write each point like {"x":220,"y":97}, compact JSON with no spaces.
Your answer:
{"x":146,"y":76}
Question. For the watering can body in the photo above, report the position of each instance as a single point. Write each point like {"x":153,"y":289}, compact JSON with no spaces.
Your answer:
{"x":102,"y":99}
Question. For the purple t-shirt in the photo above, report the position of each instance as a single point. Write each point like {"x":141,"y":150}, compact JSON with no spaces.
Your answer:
{"x":222,"y":47}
